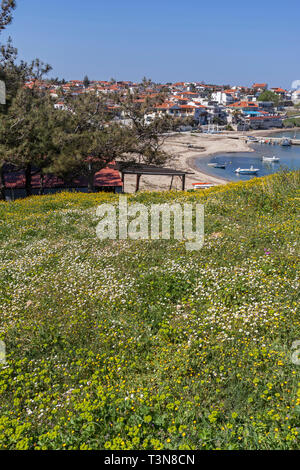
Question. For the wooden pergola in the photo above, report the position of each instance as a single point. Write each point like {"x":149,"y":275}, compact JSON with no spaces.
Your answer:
{"x":140,"y":169}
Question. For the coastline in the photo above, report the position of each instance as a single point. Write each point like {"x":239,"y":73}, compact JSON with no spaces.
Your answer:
{"x":268,"y":132}
{"x":183,"y":157}
{"x":192,"y":164}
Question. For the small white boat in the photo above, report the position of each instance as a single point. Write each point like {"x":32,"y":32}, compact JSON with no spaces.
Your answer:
{"x":202,"y":185}
{"x":217,"y":165}
{"x":247,"y":171}
{"x":271,"y":159}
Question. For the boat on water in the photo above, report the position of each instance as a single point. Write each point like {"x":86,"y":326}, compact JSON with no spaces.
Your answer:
{"x":265,"y":141}
{"x":202,"y":185}
{"x":247,"y":171}
{"x":217,"y":165}
{"x":251,"y":139}
{"x":273,"y":159}
{"x":285,"y":142}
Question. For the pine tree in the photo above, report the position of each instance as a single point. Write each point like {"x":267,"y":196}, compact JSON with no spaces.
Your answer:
{"x":86,"y":82}
{"x":27,"y":134}
{"x":6,"y":9}
{"x":145,"y":139}
{"x":93,"y":142}
{"x":96,"y":139}
{"x":14,"y":75}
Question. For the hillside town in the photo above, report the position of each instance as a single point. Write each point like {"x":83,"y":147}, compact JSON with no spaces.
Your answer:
{"x":194,"y":120}
{"x":237,"y":107}
{"x":149,"y":230}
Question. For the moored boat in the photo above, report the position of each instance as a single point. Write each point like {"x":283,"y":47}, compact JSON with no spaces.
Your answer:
{"x":285,"y":142}
{"x":217,"y":165}
{"x":251,"y":139}
{"x":247,"y":171}
{"x":202,"y":185}
{"x":273,"y":159}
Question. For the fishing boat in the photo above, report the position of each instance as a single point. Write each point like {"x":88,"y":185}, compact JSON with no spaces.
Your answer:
{"x":217,"y":165}
{"x":273,"y":159}
{"x":202,"y":185}
{"x":247,"y":171}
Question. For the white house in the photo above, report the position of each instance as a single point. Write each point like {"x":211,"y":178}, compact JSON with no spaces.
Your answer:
{"x":296,"y":97}
{"x":197,"y":112}
{"x":266,"y":121}
{"x":222,"y":97}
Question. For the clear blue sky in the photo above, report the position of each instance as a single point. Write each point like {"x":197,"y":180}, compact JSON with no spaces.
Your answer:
{"x":235,"y":42}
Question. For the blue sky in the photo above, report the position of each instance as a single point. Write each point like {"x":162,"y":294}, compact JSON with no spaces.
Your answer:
{"x":232,"y":42}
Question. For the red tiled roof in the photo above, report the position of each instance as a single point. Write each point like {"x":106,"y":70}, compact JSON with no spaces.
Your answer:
{"x":278,"y":90}
{"x":180,"y":98}
{"x":187,"y":106}
{"x":188,"y":93}
{"x":165,"y":106}
{"x":244,"y":104}
{"x":108,"y":176}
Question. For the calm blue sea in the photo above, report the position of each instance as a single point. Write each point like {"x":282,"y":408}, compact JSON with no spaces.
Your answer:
{"x":289,"y":159}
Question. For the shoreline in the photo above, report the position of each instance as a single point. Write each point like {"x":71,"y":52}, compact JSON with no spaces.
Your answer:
{"x":268,"y":132}
{"x":212,"y":144}
{"x":183,"y":157}
{"x":192,"y":163}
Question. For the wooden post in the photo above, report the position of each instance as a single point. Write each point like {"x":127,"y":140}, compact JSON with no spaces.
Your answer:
{"x":138,"y":177}
{"x":183,"y":182}
{"x":2,"y":184}
{"x":28,"y":183}
{"x":171,"y":182}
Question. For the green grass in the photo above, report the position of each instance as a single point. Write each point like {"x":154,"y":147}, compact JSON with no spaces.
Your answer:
{"x":294,"y":111}
{"x":142,"y":344}
{"x":292,"y":121}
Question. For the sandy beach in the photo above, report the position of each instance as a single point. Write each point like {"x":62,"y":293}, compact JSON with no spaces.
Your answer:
{"x":183,"y":158}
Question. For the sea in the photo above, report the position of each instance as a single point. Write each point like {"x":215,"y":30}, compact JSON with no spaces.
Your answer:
{"x":289,"y":159}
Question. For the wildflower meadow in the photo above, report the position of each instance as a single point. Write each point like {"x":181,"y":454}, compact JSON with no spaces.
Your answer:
{"x":123,"y":344}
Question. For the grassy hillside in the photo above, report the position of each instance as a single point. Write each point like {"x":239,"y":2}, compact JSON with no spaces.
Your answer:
{"x":144,"y":345}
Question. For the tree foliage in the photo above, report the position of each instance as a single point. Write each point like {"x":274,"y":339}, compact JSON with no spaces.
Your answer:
{"x":145,"y":137}
{"x":269,"y":95}
{"x":95,"y":139}
{"x":79,"y":140}
{"x":6,"y":10}
{"x":86,"y":81}
{"x":27,"y":133}
{"x":90,"y":141}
